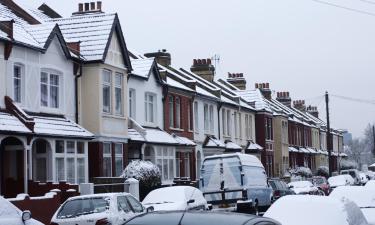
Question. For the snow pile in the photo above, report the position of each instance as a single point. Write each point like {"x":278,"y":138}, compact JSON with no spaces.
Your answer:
{"x":301,"y":171}
{"x":347,"y":164}
{"x":323,"y":171}
{"x":313,"y":210}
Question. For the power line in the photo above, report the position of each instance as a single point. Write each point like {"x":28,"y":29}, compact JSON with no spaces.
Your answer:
{"x":346,"y":8}
{"x":368,"y":1}
{"x":358,"y":100}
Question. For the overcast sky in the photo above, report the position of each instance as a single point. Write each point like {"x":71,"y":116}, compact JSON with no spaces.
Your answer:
{"x":299,"y":46}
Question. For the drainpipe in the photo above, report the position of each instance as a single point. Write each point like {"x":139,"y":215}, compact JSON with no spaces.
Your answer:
{"x":76,"y":91}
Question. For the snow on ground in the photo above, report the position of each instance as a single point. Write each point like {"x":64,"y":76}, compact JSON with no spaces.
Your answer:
{"x":315,"y":210}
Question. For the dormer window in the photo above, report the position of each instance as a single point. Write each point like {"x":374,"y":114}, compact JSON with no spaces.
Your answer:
{"x":50,"y":89}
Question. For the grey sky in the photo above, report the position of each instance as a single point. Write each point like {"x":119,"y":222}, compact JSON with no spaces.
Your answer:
{"x":299,"y":46}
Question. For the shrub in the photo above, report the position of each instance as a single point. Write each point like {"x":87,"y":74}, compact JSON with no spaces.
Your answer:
{"x":323,"y":171}
{"x":146,"y":173}
{"x":301,"y":171}
{"x":348,"y":164}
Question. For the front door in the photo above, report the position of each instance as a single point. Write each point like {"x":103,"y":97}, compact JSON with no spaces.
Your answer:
{"x":12,"y":170}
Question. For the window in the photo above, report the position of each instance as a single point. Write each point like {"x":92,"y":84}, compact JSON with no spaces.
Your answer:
{"x":178,"y":164}
{"x":81,"y":170}
{"x":240,"y":124}
{"x":211,"y":119}
{"x":132,"y":103}
{"x":178,"y":112}
{"x":80,"y":148}
{"x":269,"y":132}
{"x":136,"y":205}
{"x":17,"y":83}
{"x":190,"y":115}
{"x":187,"y":164}
{"x":196,"y":128}
{"x":235,"y":125}
{"x":165,"y":160}
{"x":118,"y":160}
{"x":59,"y":147}
{"x":171,"y":111}
{"x":107,"y":91}
{"x":229,"y":123}
{"x":107,"y":160}
{"x":49,"y":89}
{"x":150,"y":107}
{"x":118,"y":94}
{"x":70,"y":147}
{"x":122,"y":204}
{"x":70,"y":173}
{"x":60,"y":169}
{"x":224,"y":121}
{"x":206,"y":120}
{"x":248,"y":126}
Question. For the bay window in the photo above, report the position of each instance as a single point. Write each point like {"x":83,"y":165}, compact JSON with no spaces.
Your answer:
{"x":165,"y":160}
{"x":49,"y":89}
{"x":150,"y":107}
{"x":119,"y":159}
{"x":106,"y":89}
{"x":118,"y":94}
{"x":107,"y":160}
{"x":196,"y":128}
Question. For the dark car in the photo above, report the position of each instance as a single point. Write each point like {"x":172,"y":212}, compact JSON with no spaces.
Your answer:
{"x":199,"y":218}
{"x":280,"y":188}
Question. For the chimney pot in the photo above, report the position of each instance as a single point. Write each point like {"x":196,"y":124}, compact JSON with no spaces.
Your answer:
{"x":87,"y":6}
{"x":99,"y":5}
{"x":80,"y":7}
{"x":209,"y":61}
{"x":92,"y":6}
{"x":199,"y":62}
{"x":194,"y":62}
{"x":267,"y":85}
{"x":256,"y":86}
{"x":204,"y":62}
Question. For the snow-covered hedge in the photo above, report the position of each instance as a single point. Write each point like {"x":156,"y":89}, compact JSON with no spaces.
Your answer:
{"x":146,"y":173}
{"x":348,"y":164}
{"x":322,"y":171}
{"x":301,"y":171}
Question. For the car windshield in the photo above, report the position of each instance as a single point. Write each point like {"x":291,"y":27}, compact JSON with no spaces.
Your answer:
{"x":79,"y":207}
{"x":318,"y":181}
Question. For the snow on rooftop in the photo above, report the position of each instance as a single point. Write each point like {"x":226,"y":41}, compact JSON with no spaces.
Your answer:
{"x":156,"y":135}
{"x":232,"y":146}
{"x":214,"y":142}
{"x":256,"y":97}
{"x":10,"y":123}
{"x":142,"y":67}
{"x":174,"y":83}
{"x":183,"y":140}
{"x":135,"y":135}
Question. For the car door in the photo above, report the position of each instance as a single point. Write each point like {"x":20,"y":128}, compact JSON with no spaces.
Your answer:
{"x":124,"y":210}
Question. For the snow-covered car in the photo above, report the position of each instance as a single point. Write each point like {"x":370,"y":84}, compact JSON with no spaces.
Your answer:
{"x":315,"y":210}
{"x":363,"y":178}
{"x":340,"y":180}
{"x":321,"y":183}
{"x":354,"y":173}
{"x":370,"y":184}
{"x":11,"y":215}
{"x":109,"y":208}
{"x":303,"y":188}
{"x":363,"y":197}
{"x":176,"y":198}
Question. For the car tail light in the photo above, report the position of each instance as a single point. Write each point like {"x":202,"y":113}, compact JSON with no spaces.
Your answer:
{"x":103,"y":221}
{"x":277,"y":194}
{"x":53,"y":223}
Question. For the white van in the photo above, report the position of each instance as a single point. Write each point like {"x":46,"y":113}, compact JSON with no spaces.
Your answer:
{"x":235,"y":179}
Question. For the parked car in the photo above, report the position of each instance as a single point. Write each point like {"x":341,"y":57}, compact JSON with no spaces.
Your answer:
{"x":199,"y":218}
{"x":363,"y":197}
{"x":370,"y":184}
{"x":235,"y":179}
{"x":340,"y":180}
{"x":315,"y":210}
{"x":10,"y":214}
{"x":280,"y":188}
{"x":363,"y":177}
{"x":110,"y":208}
{"x":354,"y":173}
{"x":304,"y":188}
{"x":176,"y":198}
{"x":321,"y":183}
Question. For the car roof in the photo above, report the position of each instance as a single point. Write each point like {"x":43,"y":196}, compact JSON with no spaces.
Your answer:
{"x":192,"y":218}
{"x":98,"y":195}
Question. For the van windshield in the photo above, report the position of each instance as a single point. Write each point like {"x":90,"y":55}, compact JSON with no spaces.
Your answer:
{"x":79,"y":207}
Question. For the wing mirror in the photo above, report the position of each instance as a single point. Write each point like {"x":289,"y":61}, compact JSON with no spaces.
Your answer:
{"x":26,"y":215}
{"x":190,"y":201}
{"x":149,"y":209}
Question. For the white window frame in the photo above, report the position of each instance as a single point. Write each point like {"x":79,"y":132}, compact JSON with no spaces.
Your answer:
{"x":21,"y":80}
{"x":171,"y":111}
{"x":224,"y":121}
{"x":240,"y":124}
{"x":107,"y":84}
{"x":132,"y":103}
{"x":235,"y":125}
{"x":119,"y":109}
{"x":206,"y":119}
{"x":108,"y":155}
{"x":196,"y":118}
{"x":170,"y":156}
{"x":49,"y":73}
{"x":150,"y":117}
{"x":211,"y":113}
{"x":177,"y":100}
{"x":119,"y":155}
{"x":229,"y":123}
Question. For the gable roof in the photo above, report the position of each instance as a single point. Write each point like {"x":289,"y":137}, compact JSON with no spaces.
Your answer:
{"x":143,"y":67}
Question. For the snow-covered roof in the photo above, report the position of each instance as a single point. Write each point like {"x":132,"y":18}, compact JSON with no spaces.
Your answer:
{"x":142,"y":67}
{"x":292,"y":149}
{"x":52,"y":126}
{"x":156,"y":135}
{"x":256,"y":97}
{"x":213,"y":142}
{"x":183,"y":140}
{"x":372,"y":165}
{"x":232,"y":146}
{"x":174,"y":83}
{"x":304,"y":150}
{"x":10,"y":123}
{"x":134,"y":135}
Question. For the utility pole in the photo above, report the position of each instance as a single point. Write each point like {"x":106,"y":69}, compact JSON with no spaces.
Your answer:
{"x":329,"y":146}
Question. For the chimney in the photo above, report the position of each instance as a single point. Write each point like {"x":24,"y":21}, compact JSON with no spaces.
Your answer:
{"x":237,"y":80}
{"x":89,"y":7}
{"x":203,"y":68}
{"x":300,"y":105}
{"x":162,"y":57}
{"x":265,"y":89}
{"x":313,"y":110}
{"x":284,"y":98}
